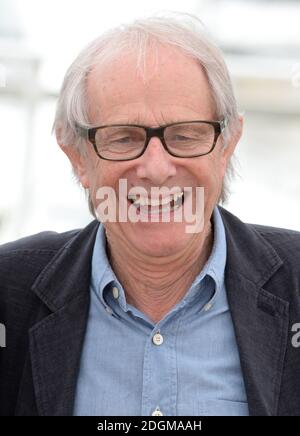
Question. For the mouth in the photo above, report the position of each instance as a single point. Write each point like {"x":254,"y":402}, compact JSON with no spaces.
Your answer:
{"x":156,"y":206}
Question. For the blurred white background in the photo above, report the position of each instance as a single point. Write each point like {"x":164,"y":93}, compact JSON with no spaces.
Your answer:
{"x":38,"y":41}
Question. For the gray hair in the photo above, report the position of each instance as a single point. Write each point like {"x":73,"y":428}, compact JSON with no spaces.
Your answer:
{"x":183,"y":31}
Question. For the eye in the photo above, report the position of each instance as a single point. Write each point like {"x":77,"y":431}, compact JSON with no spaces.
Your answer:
{"x":122,"y":140}
{"x":181,"y":138}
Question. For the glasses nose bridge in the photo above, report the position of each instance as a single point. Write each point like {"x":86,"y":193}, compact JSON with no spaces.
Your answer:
{"x":155,"y":132}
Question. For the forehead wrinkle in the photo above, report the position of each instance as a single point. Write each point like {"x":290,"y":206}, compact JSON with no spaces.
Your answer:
{"x":140,"y":103}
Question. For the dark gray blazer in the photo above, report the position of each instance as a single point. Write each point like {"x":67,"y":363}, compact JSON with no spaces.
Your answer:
{"x":44,"y":302}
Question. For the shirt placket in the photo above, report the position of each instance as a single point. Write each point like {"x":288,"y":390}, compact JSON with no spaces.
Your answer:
{"x":159,"y":390}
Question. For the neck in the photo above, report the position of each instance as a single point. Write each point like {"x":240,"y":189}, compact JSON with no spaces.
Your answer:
{"x":155,"y":287}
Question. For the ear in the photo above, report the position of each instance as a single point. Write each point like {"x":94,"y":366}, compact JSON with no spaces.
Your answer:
{"x":78,"y":162}
{"x":229,"y":149}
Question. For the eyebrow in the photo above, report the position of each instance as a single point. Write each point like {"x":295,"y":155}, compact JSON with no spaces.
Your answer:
{"x":139,"y":122}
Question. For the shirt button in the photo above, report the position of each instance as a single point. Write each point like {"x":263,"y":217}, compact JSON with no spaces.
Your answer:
{"x":207,"y":307}
{"x":157,"y":412}
{"x":115,"y":292}
{"x":157,"y":339}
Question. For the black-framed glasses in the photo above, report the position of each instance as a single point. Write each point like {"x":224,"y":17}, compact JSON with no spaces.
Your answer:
{"x":186,"y":139}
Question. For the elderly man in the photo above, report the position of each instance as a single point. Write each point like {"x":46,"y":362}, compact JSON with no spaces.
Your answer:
{"x":152,"y":311}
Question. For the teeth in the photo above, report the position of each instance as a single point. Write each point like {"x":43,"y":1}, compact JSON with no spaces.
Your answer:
{"x":145,"y":201}
{"x":142,"y":201}
{"x":177,"y":196}
{"x":153,"y":202}
{"x":166,"y":200}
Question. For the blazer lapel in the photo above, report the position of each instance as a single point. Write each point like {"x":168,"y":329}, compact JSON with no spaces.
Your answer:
{"x":260,"y":318}
{"x":56,"y":341}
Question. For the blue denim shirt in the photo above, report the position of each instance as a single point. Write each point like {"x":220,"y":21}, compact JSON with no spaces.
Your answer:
{"x":186,"y":364}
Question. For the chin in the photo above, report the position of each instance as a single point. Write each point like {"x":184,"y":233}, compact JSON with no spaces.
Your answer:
{"x":159,"y":239}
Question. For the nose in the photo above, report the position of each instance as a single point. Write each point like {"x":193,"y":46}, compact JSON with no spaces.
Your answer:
{"x":156,"y":164}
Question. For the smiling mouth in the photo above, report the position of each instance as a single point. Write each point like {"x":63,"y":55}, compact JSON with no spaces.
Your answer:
{"x":155,"y":206}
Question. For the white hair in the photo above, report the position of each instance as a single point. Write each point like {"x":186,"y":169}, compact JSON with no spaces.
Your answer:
{"x":183,"y":31}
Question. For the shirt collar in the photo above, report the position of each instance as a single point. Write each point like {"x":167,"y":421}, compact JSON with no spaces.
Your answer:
{"x":215,"y":265}
{"x":211,"y":277}
{"x":103,"y":275}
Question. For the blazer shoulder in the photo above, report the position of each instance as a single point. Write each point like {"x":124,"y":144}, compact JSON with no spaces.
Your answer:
{"x":275,"y":230}
{"x":22,"y":260}
{"x":278,"y":235}
{"x":47,"y":241}
{"x":286,"y":243}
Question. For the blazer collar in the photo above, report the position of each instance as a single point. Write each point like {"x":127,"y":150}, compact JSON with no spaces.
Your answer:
{"x":68,"y":274}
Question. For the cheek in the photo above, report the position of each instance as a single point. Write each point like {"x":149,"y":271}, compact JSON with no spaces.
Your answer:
{"x":104,"y":174}
{"x":95,"y":175}
{"x":208,"y":172}
{"x":210,"y":176}
{"x":218,"y":167}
